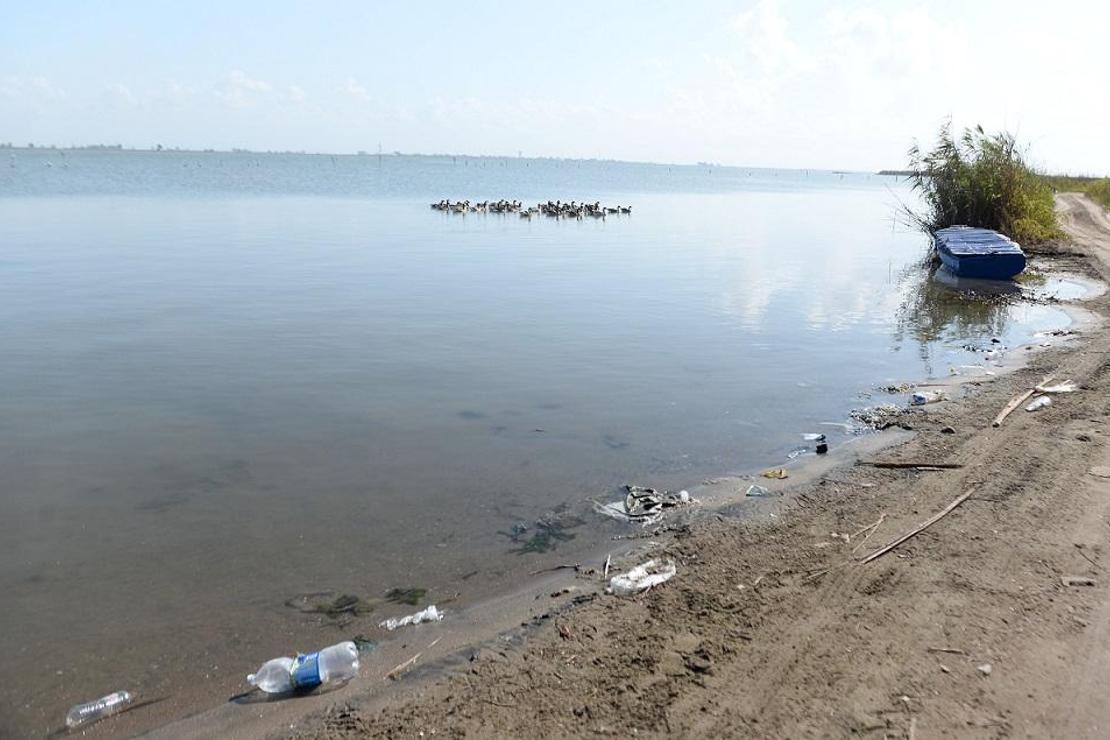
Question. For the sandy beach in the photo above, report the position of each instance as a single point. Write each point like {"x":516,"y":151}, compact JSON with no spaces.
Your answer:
{"x":993,"y":621}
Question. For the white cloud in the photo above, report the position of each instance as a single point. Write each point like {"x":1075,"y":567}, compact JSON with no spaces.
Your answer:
{"x":242,"y":91}
{"x":356,"y":91}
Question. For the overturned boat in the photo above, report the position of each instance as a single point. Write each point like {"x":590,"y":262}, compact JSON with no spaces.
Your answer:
{"x":984,"y":254}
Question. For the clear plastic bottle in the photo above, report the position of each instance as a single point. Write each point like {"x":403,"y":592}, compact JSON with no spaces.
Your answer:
{"x":336,"y":663}
{"x":274,"y":677}
{"x":103,"y":707}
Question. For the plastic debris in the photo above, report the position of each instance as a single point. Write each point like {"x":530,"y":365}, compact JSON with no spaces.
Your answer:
{"x":760,"y":491}
{"x":923,"y":397}
{"x":1066,"y":387}
{"x":431,"y":614}
{"x":644,"y":505}
{"x":105,"y":706}
{"x":985,"y":669}
{"x":1039,"y":403}
{"x":642,"y":577}
{"x":877,"y":417}
{"x":775,"y":474}
{"x":822,"y":448}
{"x":338,"y":662}
{"x":814,"y":437}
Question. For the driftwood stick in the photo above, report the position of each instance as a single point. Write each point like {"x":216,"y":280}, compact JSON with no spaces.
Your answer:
{"x":552,"y":569}
{"x":907,"y":465}
{"x":397,"y":670}
{"x":1015,"y":402}
{"x":921,"y":527}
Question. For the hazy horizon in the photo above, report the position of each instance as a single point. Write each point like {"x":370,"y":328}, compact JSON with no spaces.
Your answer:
{"x":761,"y":83}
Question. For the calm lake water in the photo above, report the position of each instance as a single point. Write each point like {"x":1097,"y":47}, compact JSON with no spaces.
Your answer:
{"x":231,"y":379}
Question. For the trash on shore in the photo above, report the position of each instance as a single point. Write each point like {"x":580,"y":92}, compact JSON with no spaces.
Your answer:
{"x":923,"y":397}
{"x":105,"y":706}
{"x":760,"y":491}
{"x":642,"y":577}
{"x":775,"y":474}
{"x":282,"y":675}
{"x":896,"y":389}
{"x":1017,"y":401}
{"x":822,"y":448}
{"x":877,"y":417}
{"x":644,"y":505}
{"x":431,"y":614}
{"x":814,"y":437}
{"x":1065,"y":387}
{"x":1039,"y":403}
{"x":1077,"y":581}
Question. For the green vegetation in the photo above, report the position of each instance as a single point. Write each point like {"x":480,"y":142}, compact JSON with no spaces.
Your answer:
{"x":410,"y":596}
{"x":1097,"y":188}
{"x":982,"y":180}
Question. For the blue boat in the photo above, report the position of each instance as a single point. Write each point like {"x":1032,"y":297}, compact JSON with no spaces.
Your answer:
{"x":978,"y":253}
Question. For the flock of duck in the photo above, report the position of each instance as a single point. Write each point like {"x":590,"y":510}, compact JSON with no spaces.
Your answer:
{"x":554,"y":209}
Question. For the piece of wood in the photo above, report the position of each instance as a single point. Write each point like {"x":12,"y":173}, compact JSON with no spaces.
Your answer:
{"x":568,"y":566}
{"x":921,"y":527}
{"x":954,"y":651}
{"x":909,"y":465}
{"x":396,"y":671}
{"x":1015,"y":402}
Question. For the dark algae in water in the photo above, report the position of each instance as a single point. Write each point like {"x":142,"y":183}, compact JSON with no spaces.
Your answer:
{"x":332,"y":605}
{"x":410,"y":596}
{"x":546,"y":534}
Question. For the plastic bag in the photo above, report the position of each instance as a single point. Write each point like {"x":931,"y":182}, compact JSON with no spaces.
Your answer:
{"x":642,"y":577}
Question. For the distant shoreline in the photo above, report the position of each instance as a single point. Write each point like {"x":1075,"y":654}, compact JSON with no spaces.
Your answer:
{"x":120,"y":149}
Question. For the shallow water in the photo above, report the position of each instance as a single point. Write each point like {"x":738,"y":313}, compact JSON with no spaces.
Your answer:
{"x":233,"y":379}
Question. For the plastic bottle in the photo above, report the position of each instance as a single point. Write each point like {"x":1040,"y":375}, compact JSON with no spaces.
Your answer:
{"x":336,"y":663}
{"x":274,"y":677}
{"x":103,"y":707}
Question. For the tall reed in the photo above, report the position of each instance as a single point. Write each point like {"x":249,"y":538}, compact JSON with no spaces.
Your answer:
{"x":981,"y":179}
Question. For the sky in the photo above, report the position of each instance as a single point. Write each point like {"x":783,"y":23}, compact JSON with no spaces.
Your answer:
{"x":776,"y":83}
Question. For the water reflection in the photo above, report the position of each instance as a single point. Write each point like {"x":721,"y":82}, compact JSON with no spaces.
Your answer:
{"x":938,"y":306}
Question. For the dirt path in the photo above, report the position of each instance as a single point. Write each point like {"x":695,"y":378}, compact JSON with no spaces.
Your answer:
{"x":778,"y":630}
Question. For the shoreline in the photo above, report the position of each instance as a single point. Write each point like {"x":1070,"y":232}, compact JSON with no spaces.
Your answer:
{"x":747,"y":638}
{"x":501,"y":620}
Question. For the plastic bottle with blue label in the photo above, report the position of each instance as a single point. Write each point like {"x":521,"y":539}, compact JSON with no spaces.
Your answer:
{"x":305,"y":672}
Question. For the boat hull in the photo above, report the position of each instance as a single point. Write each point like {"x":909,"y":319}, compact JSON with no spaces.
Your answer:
{"x":984,"y":267}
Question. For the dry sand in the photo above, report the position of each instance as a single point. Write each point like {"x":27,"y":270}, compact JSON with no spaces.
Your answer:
{"x":775,"y":628}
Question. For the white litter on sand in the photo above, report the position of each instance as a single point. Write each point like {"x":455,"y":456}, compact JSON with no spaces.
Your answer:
{"x":642,"y":577}
{"x":431,"y":614}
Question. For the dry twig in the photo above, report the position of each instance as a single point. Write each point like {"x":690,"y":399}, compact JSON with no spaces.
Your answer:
{"x":1017,"y":401}
{"x":921,"y":527}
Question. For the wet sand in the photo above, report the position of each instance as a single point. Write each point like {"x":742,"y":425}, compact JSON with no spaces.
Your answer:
{"x":771,"y":625}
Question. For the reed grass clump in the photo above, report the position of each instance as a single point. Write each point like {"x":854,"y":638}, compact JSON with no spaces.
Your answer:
{"x":981,"y":179}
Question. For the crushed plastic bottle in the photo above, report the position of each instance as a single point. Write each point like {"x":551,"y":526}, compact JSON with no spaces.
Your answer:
{"x":92,"y":711}
{"x":305,"y":672}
